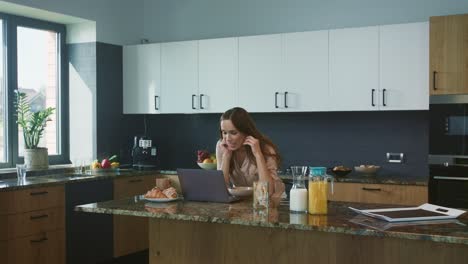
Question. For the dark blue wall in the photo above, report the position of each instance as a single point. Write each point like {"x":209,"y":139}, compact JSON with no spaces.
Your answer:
{"x":324,"y":138}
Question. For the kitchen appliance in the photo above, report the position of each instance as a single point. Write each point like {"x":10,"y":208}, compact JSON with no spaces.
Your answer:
{"x":448,"y":150}
{"x":448,"y":184}
{"x":144,"y":154}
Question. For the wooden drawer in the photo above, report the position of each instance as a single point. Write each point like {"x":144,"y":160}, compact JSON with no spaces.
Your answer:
{"x":31,"y":199}
{"x":131,"y":186}
{"x":43,"y":248}
{"x":30,"y":223}
{"x":379,"y":193}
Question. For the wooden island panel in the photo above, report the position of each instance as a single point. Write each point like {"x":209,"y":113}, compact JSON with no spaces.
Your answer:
{"x":175,"y":241}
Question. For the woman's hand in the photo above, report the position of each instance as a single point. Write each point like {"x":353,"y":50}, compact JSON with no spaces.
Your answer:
{"x":255,"y":145}
{"x":227,"y":153}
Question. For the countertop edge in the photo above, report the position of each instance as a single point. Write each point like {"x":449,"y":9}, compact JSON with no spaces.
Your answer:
{"x":341,"y":230}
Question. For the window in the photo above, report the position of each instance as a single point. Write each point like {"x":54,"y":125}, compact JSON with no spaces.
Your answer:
{"x":33,"y":61}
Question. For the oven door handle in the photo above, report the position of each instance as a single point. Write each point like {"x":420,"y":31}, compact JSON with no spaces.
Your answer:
{"x":451,"y":178}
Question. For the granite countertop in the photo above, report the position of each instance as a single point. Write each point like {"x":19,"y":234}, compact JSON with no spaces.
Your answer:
{"x":340,"y":218}
{"x":12,"y":184}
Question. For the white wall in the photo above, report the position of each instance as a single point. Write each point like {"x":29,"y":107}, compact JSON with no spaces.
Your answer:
{"x":117,"y":21}
{"x":172,"y":20}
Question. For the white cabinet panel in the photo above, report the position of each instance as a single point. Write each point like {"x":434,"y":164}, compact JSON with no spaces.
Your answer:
{"x":141,"y":78}
{"x":354,"y":74}
{"x":179,"y":75}
{"x":218,"y":74}
{"x":305,"y":71}
{"x":259,"y":72}
{"x":404,"y":64}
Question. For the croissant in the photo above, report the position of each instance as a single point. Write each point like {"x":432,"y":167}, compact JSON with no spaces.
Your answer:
{"x":170,"y":192}
{"x":155,"y":193}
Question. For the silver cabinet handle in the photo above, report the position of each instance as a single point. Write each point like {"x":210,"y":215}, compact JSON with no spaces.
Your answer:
{"x":451,"y":178}
{"x":285,"y":99}
{"x":201,"y":101}
{"x":193,"y":102}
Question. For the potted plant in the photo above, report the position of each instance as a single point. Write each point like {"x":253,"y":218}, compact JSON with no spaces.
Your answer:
{"x":33,"y":124}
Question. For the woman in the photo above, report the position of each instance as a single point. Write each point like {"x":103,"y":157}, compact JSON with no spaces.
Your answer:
{"x":245,"y":155}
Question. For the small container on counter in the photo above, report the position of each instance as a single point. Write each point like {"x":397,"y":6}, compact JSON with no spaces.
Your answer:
{"x":298,"y":193}
{"x":318,"y":190}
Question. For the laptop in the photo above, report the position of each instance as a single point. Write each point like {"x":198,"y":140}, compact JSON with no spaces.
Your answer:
{"x":204,"y":185}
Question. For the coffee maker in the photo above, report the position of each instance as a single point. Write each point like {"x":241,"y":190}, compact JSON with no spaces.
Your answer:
{"x":144,"y":154}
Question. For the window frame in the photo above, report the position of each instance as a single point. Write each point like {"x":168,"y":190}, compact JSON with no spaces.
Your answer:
{"x":10,"y":24}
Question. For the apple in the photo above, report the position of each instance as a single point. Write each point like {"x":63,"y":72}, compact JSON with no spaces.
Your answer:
{"x":207,"y":161}
{"x":105,"y":164}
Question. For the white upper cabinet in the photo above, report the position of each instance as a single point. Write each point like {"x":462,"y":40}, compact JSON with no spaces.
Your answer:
{"x":260,"y":73}
{"x":404,"y":60}
{"x":354,"y":69}
{"x":141,"y":79}
{"x":179,"y":76}
{"x":218,"y":74}
{"x":305,"y":71}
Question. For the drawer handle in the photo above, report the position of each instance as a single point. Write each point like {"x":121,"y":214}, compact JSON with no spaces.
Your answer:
{"x":139,"y":180}
{"x":35,"y":217}
{"x":371,"y":189}
{"x":39,"y":240}
{"x":38,"y":193}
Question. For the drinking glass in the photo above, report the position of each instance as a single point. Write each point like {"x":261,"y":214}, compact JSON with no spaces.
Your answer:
{"x":21,"y":172}
{"x":260,"y":194}
{"x":78,"y":165}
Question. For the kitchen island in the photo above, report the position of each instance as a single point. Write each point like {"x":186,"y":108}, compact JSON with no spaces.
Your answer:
{"x":194,"y":232}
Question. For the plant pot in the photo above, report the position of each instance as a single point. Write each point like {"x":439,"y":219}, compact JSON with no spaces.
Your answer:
{"x":36,"y":159}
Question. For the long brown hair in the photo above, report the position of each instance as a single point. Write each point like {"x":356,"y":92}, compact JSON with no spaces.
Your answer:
{"x":243,"y":122}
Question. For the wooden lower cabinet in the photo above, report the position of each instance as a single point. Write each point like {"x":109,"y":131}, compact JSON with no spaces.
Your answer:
{"x":32,"y":226}
{"x":379,"y":193}
{"x":130,"y":232}
{"x":42,"y":248}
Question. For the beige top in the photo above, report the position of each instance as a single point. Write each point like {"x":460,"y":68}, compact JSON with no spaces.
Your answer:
{"x":246,"y":173}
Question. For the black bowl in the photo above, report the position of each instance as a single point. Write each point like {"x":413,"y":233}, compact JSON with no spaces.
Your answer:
{"x":341,"y":173}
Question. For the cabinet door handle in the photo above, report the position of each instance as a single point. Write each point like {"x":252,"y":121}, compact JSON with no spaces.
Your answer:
{"x":276,"y":100}
{"x":372,"y":97}
{"x":201,"y":101}
{"x":38,"y":240}
{"x":434,"y":80}
{"x":371,"y":189}
{"x":193,"y":101}
{"x":137,"y":180}
{"x":156,"y":102}
{"x":285,"y":99}
{"x":38,"y":193}
{"x":35,"y":217}
{"x":383,"y":97}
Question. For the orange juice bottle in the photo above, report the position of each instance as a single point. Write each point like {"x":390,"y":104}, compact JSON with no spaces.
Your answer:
{"x":318,"y":190}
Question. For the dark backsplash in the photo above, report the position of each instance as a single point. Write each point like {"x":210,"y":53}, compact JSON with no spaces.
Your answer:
{"x":317,"y":138}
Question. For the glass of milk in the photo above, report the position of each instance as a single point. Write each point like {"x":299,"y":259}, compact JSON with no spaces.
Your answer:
{"x":298,"y":195}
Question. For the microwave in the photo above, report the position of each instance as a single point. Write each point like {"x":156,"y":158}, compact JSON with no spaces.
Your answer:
{"x":448,"y":129}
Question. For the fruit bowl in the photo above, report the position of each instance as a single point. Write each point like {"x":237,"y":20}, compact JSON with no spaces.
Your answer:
{"x":341,"y":171}
{"x":241,"y":191}
{"x":207,"y":166}
{"x":367,"y":169}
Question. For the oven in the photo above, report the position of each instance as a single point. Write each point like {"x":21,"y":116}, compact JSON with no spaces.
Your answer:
{"x":448,"y":185}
